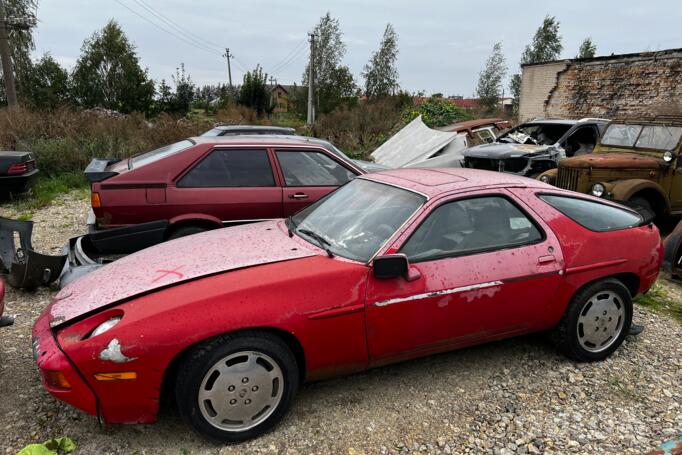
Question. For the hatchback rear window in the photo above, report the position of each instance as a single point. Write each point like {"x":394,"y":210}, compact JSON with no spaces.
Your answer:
{"x":593,"y":215}
{"x":157,"y":154}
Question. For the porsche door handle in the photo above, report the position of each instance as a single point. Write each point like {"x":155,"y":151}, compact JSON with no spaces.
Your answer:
{"x":546,"y":259}
{"x":298,"y":196}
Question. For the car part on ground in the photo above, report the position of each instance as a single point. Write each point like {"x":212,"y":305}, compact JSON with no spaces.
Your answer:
{"x":416,"y":142}
{"x":452,"y":257}
{"x":636,"y":161}
{"x":536,"y":146}
{"x":16,"y":171}
{"x":209,"y":182}
{"x":25,"y":267}
{"x":29,"y":269}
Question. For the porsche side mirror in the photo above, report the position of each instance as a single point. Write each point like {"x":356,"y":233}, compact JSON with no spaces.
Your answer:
{"x":394,"y":266}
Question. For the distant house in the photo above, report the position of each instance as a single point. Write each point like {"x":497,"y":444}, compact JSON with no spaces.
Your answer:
{"x":468,"y":104}
{"x":280,"y":97}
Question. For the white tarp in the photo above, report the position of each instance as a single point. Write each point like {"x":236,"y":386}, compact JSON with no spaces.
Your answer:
{"x":417,"y":142}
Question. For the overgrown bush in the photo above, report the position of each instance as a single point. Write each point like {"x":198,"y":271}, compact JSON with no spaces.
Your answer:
{"x":359,"y":130}
{"x":436,"y":112}
{"x":67,"y":139}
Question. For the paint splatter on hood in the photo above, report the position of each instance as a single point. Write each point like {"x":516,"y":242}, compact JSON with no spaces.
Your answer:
{"x":177,"y":261}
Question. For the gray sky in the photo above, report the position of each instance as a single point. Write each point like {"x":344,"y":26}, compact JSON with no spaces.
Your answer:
{"x":443,"y":44}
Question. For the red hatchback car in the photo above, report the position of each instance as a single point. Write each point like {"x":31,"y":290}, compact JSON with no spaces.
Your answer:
{"x":392,"y":266}
{"x":206,"y":182}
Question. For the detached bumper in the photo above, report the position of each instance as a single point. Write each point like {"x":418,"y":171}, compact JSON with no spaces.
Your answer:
{"x":53,"y":363}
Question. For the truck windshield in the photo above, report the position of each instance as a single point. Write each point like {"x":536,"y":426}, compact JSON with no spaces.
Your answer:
{"x":357,"y":219}
{"x":659,"y":137}
{"x":157,"y":154}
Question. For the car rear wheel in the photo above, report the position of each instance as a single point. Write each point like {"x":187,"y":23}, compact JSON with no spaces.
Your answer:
{"x":184,"y":231}
{"x":596,"y":321}
{"x":237,"y":387}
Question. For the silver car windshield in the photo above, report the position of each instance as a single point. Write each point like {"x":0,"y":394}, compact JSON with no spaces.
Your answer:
{"x":357,"y":219}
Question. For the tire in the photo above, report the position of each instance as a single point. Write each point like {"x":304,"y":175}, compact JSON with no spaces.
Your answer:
{"x":184,"y":231}
{"x":236,"y":404}
{"x":583,"y":338}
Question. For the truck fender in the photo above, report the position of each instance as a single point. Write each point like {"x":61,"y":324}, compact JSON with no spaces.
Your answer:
{"x":624,"y":190}
{"x":551,"y":176}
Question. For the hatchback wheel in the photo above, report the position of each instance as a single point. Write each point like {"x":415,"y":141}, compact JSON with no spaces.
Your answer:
{"x":237,"y":387}
{"x":596,"y":321}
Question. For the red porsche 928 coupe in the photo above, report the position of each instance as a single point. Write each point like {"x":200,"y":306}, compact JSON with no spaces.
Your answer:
{"x":396,"y":264}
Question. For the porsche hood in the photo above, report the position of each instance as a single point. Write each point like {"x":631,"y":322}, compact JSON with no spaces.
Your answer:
{"x":174,"y":262}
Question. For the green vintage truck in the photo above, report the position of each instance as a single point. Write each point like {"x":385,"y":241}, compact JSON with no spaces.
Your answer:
{"x":635,"y":162}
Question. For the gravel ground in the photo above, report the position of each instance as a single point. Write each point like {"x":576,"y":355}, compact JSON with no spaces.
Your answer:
{"x":514,"y":396}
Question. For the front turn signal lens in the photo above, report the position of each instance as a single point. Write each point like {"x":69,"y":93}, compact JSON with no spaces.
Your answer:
{"x":95,"y":201}
{"x":121,"y":376}
{"x":56,"y":380}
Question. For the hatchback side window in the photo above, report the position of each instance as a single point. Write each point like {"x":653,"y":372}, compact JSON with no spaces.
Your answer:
{"x":593,"y":215}
{"x":230,"y":168}
{"x":311,"y":169}
{"x":470,"y":226}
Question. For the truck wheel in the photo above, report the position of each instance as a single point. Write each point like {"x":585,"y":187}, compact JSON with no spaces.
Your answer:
{"x":237,"y":387}
{"x":596,"y":321}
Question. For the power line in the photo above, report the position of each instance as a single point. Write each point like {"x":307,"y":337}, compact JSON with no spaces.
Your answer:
{"x":180,"y":29}
{"x":286,"y":59}
{"x":205,"y":49}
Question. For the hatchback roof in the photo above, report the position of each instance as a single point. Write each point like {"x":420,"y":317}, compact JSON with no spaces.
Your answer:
{"x":434,"y":181}
{"x":255,"y":128}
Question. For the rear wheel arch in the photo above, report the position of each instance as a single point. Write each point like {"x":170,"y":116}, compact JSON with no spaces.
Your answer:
{"x":202,"y":223}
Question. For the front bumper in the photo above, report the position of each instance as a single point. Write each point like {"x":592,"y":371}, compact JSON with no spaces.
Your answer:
{"x":50,"y":359}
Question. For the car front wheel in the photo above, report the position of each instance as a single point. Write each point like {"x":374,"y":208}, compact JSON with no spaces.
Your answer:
{"x":237,"y":387}
{"x":596,"y":321}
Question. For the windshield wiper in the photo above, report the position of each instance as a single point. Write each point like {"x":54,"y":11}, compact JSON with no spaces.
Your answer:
{"x":324,"y":243}
{"x":291,"y":226}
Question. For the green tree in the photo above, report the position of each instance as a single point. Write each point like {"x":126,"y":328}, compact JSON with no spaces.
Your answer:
{"x":546,"y":46}
{"x":329,"y":51}
{"x":254,"y":92}
{"x":164,"y":97}
{"x":381,"y":73}
{"x":587,"y":49}
{"x":489,"y":89}
{"x":342,"y":91}
{"x":45,"y":84}
{"x":108,"y":73}
{"x":184,"y":91}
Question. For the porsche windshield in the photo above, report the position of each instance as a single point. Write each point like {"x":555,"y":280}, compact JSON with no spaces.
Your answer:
{"x":357,"y":219}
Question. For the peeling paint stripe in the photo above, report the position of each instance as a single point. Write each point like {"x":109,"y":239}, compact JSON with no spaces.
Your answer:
{"x":438,"y":293}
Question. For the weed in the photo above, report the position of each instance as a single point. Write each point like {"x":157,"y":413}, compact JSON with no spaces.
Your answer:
{"x":657,"y":299}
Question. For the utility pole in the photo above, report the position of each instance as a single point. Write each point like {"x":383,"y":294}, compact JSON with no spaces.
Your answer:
{"x":6,"y":57}
{"x":7,"y":24}
{"x":229,"y":69}
{"x":311,"y":82}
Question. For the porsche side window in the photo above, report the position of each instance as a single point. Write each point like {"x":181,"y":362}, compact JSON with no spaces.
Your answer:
{"x":230,"y":168}
{"x":311,"y":169}
{"x":593,"y":215}
{"x":469,"y":226}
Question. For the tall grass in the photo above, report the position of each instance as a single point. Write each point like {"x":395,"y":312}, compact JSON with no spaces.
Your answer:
{"x":65,"y":140}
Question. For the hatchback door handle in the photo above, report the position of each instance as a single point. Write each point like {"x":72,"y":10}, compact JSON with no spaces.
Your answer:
{"x":298,"y":196}
{"x":546,"y":259}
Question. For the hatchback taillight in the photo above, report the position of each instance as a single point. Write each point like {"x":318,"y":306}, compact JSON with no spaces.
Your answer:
{"x":18,"y":168}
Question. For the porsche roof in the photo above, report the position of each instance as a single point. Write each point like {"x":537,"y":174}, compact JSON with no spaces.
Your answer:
{"x":434,"y":181}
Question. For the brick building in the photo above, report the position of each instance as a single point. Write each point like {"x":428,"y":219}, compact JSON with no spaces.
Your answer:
{"x":629,"y":85}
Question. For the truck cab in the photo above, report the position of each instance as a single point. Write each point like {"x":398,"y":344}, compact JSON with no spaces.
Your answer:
{"x":637,"y":162}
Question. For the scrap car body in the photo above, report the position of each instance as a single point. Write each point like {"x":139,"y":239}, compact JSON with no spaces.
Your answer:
{"x":536,"y":146}
{"x":636,"y":162}
{"x":16,"y":171}
{"x":375,"y":265}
